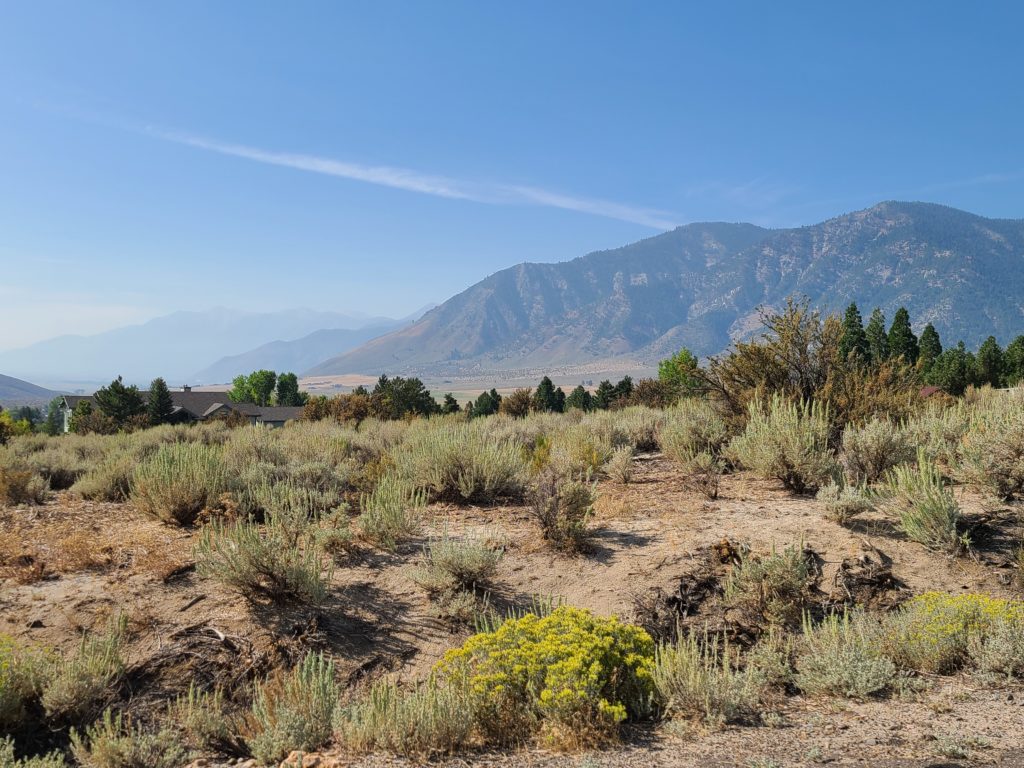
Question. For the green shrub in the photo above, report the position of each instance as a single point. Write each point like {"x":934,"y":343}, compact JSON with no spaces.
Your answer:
{"x":279,"y":559}
{"x":81,"y":685}
{"x":203,"y":718}
{"x":787,"y":441}
{"x":60,"y":466}
{"x":108,"y":480}
{"x":114,"y":742}
{"x":938,"y":431}
{"x":392,"y":512}
{"x":433,"y":718}
{"x":294,"y":711}
{"x":872,"y":450}
{"x":23,"y":675}
{"x":620,"y":466}
{"x":934,"y":632}
{"x":563,"y":508}
{"x":1000,"y":648}
{"x":578,"y":451}
{"x":459,"y":462}
{"x":840,"y":657}
{"x":925,"y":507}
{"x":572,"y":675}
{"x":450,"y":564}
{"x":992,"y":450}
{"x":692,"y":427}
{"x":844,"y":502}
{"x":179,"y":481}
{"x":8,"y":760}
{"x":696,"y":680}
{"x":774,"y":589}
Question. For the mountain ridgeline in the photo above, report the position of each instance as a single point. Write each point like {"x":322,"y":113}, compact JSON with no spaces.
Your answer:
{"x":701,"y":286}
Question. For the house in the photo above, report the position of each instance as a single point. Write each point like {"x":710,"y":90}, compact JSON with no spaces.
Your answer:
{"x":192,"y":406}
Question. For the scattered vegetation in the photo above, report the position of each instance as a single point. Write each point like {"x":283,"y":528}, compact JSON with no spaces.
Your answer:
{"x":924,"y":505}
{"x":563,"y":508}
{"x":115,"y":742}
{"x":178,"y":482}
{"x":773,"y":588}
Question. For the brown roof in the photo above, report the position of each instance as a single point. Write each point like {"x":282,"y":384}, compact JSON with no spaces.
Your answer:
{"x":196,"y":404}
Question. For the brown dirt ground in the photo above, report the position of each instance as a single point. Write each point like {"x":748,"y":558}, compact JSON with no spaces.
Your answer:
{"x":68,"y":565}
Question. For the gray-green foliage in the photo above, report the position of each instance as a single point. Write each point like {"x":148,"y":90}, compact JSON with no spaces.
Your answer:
{"x":844,"y":502}
{"x":869,"y":451}
{"x":992,"y":449}
{"x":294,"y":711}
{"x":841,"y":657}
{"x":179,"y":481}
{"x":773,"y":588}
{"x":924,"y":505}
{"x":80,"y":685}
{"x":455,"y":564}
{"x":8,"y":760}
{"x":787,"y":441}
{"x":393,"y":511}
{"x":115,"y":742}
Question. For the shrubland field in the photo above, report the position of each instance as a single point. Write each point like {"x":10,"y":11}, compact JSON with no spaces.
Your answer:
{"x":748,"y":577}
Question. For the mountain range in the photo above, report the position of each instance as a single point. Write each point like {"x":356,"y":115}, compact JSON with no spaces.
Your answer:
{"x":178,"y":345}
{"x":702,"y":285}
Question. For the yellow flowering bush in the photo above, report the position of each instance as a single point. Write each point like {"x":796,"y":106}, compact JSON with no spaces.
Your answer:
{"x":935,"y":631}
{"x":572,"y":675}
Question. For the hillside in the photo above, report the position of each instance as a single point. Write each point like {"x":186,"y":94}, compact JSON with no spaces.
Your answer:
{"x":17,"y":392}
{"x":700,"y":285}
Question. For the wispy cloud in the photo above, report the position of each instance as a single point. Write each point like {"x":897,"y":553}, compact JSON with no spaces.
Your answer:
{"x":429,"y":184}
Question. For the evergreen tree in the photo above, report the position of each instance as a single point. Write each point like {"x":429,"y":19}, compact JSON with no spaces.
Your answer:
{"x":398,"y":397}
{"x":989,"y":363}
{"x":54,"y":424}
{"x":854,"y":342}
{"x":160,"y":405}
{"x":878,"y":339}
{"x":623,"y":389}
{"x":120,"y":403}
{"x":450,"y":404}
{"x":487,"y":403}
{"x":545,"y":397}
{"x":559,"y":400}
{"x":1013,"y":361}
{"x":604,"y":395}
{"x":930,"y":346}
{"x":902,"y":341}
{"x":287,"y":391}
{"x":580,"y":399}
{"x":80,"y":417}
{"x":679,"y":373}
{"x":953,"y":370}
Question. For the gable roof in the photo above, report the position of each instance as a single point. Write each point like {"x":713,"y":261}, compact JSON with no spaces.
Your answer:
{"x":197,"y":404}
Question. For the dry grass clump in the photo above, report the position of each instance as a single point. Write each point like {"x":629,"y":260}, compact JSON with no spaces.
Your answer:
{"x":115,"y":742}
{"x":695,"y":679}
{"x":871,"y":450}
{"x":773,"y":589}
{"x":393,"y":511}
{"x":926,"y":510}
{"x":619,"y":467}
{"x":279,"y":559}
{"x":108,"y":480}
{"x":459,"y":462}
{"x":841,"y":657}
{"x":563,"y":508}
{"x":844,"y":502}
{"x":293,"y":711}
{"x":19,"y":485}
{"x":79,"y":686}
{"x":433,"y":718}
{"x":579,"y":451}
{"x":179,"y":481}
{"x":787,"y":441}
{"x":992,"y":449}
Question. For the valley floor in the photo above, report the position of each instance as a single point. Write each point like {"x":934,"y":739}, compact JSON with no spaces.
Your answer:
{"x":67,"y":565}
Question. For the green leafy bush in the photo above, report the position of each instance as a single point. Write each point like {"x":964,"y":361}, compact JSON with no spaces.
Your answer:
{"x":571,"y":675}
{"x":787,"y":441}
{"x":926,"y":510}
{"x":294,"y":711}
{"x":841,"y":657}
{"x":179,"y":481}
{"x":115,"y":742}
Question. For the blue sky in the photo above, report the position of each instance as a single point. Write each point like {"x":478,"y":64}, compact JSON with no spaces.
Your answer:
{"x":373,"y":156}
